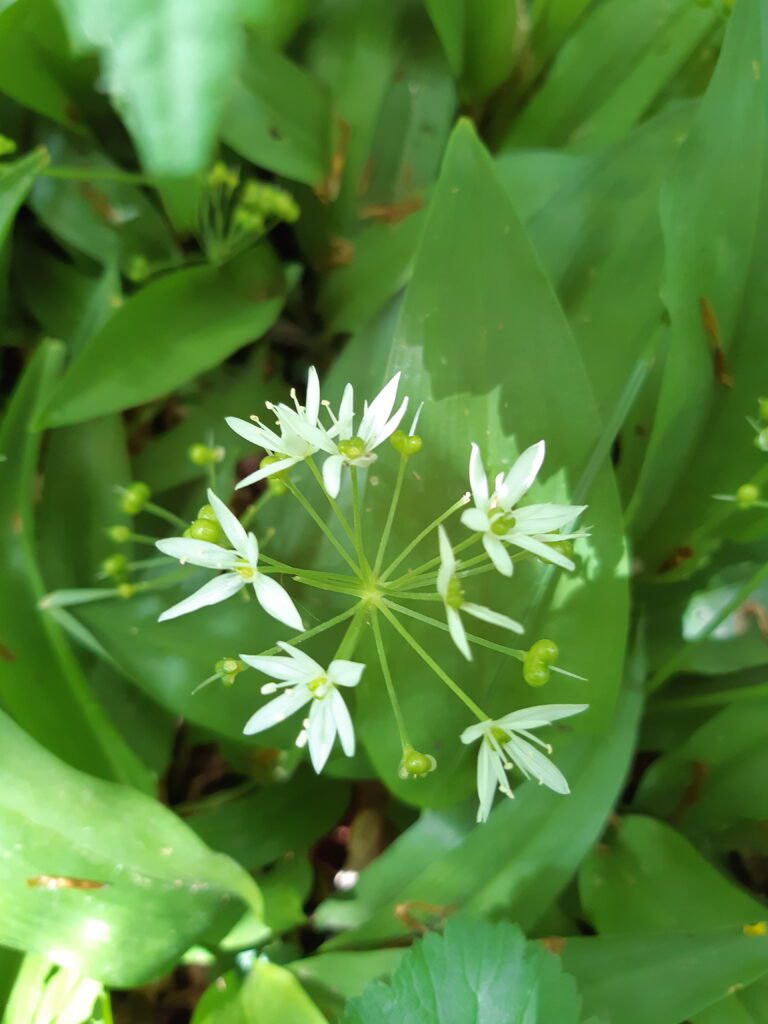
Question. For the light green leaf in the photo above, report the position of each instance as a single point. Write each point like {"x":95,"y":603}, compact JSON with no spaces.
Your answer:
{"x":149,"y":874}
{"x":646,"y":877}
{"x":195,"y":317}
{"x":475,"y":972}
{"x":168,"y":65}
{"x":268,"y":993}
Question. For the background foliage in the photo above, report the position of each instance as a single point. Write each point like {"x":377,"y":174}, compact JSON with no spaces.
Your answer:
{"x":551,"y":216}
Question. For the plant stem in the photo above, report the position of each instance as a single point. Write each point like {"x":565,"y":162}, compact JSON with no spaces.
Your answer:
{"x":390,"y":515}
{"x":479,"y":640}
{"x":331,"y":501}
{"x":334,"y":588}
{"x":315,"y":630}
{"x":163,"y":513}
{"x":404,"y":742}
{"x":420,"y":537}
{"x":357,"y":518}
{"x":430,"y":661}
{"x":672,"y":664}
{"x":319,"y":521}
{"x":253,"y":508}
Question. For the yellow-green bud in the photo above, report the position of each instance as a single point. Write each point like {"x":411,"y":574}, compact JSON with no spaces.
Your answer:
{"x":415,"y":765}
{"x":276,"y":486}
{"x":352,"y":448}
{"x":454,"y":597}
{"x":207,"y":530}
{"x":502,"y":525}
{"x":747,"y":495}
{"x":135,"y":498}
{"x":272,"y":460}
{"x":7,"y":146}
{"x":535,"y":671}
{"x":119,"y":534}
{"x":405,"y":444}
{"x":115,"y":566}
{"x":204,"y":455}
{"x":228,"y":669}
{"x":222,"y":176}
{"x":249,"y":220}
{"x":125,"y":590}
{"x":138,"y":269}
{"x":545,"y":650}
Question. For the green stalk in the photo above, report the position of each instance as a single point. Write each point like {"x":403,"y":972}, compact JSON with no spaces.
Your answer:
{"x":390,"y":515}
{"x":359,"y":546}
{"x":443,"y":626}
{"x":430,"y":661}
{"x":333,"y":588}
{"x":404,"y":742}
{"x":420,"y":537}
{"x":331,"y":501}
{"x":163,"y":513}
{"x":319,"y":521}
{"x":315,"y":630}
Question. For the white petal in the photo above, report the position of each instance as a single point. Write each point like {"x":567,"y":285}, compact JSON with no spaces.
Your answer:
{"x":475,"y":519}
{"x":321,"y":733}
{"x":277,"y":710}
{"x":415,"y":423}
{"x":520,"y":477}
{"x":378,"y":412}
{"x":255,"y":433}
{"x":456,"y":629}
{"x":495,"y":618}
{"x":198,"y":552}
{"x":215,"y":590}
{"x":478,"y":481}
{"x":546,"y":517}
{"x":265,"y":471}
{"x":539,"y":715}
{"x":498,"y":554}
{"x":276,"y":601}
{"x":476,"y":731}
{"x":276,"y":667}
{"x":532,"y":762}
{"x":312,"y":668}
{"x":252,"y":551}
{"x":332,"y":474}
{"x":230,"y":524}
{"x":343,"y":721}
{"x":447,"y":557}
{"x":383,"y":432}
{"x":486,"y":780}
{"x":537,"y":547}
{"x":345,"y":673}
{"x":313,"y":396}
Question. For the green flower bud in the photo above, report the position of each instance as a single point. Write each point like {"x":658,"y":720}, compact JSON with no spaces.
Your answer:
{"x":138,"y":269}
{"x":119,"y":534}
{"x":115,"y":566}
{"x":277,"y":486}
{"x":565,"y":547}
{"x":405,"y":444}
{"x":285,"y":207}
{"x":761,"y":440}
{"x":747,"y":495}
{"x":271,"y":460}
{"x":207,"y":512}
{"x":205,"y":529}
{"x":221,"y":176}
{"x":502,"y":524}
{"x":499,"y":734}
{"x":204,"y":455}
{"x":415,"y":765}
{"x":352,"y":448}
{"x":135,"y":498}
{"x":535,"y":671}
{"x":228,"y":669}
{"x":544,"y":650}
{"x":455,"y":595}
{"x":125,"y":590}
{"x":7,"y":146}
{"x":249,"y":220}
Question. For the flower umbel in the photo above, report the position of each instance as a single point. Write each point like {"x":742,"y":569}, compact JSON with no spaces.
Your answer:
{"x":507,"y":742}
{"x":304,"y":681}
{"x":241,"y":565}
{"x":534,"y":528}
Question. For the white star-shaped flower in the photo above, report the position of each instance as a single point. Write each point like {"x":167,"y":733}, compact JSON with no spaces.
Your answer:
{"x":344,"y":446}
{"x":291,"y":445}
{"x":450,"y":590}
{"x":533,"y":528}
{"x":304,"y":681}
{"x":507,"y":742}
{"x":241,"y":565}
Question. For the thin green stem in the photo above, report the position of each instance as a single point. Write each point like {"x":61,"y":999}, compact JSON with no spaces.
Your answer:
{"x":420,"y":537}
{"x":430,"y":661}
{"x":254,"y":507}
{"x":412,"y":573}
{"x":333,"y":588}
{"x":315,"y":630}
{"x":404,"y":742}
{"x":163,"y":513}
{"x":331,"y":501}
{"x":319,"y":521}
{"x":430,"y":579}
{"x":408,"y":595}
{"x":358,"y":521}
{"x":390,"y":515}
{"x":443,"y":626}
{"x":352,"y":635}
{"x":676,"y":660}
{"x":331,"y":577}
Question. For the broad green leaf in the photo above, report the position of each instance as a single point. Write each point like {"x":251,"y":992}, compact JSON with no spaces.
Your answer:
{"x":16,"y":179}
{"x":646,"y":877}
{"x":149,"y":874}
{"x":742,"y":1006}
{"x":280,"y":118}
{"x":663,"y":978}
{"x":195,"y":317}
{"x":269,"y":993}
{"x":41,"y":684}
{"x":477,"y":287}
{"x":479,"y":972}
{"x":257,"y":827}
{"x":516,"y":863}
{"x":274,"y":21}
{"x":168,"y":65}
{"x":710,"y":231}
{"x":345,"y":974}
